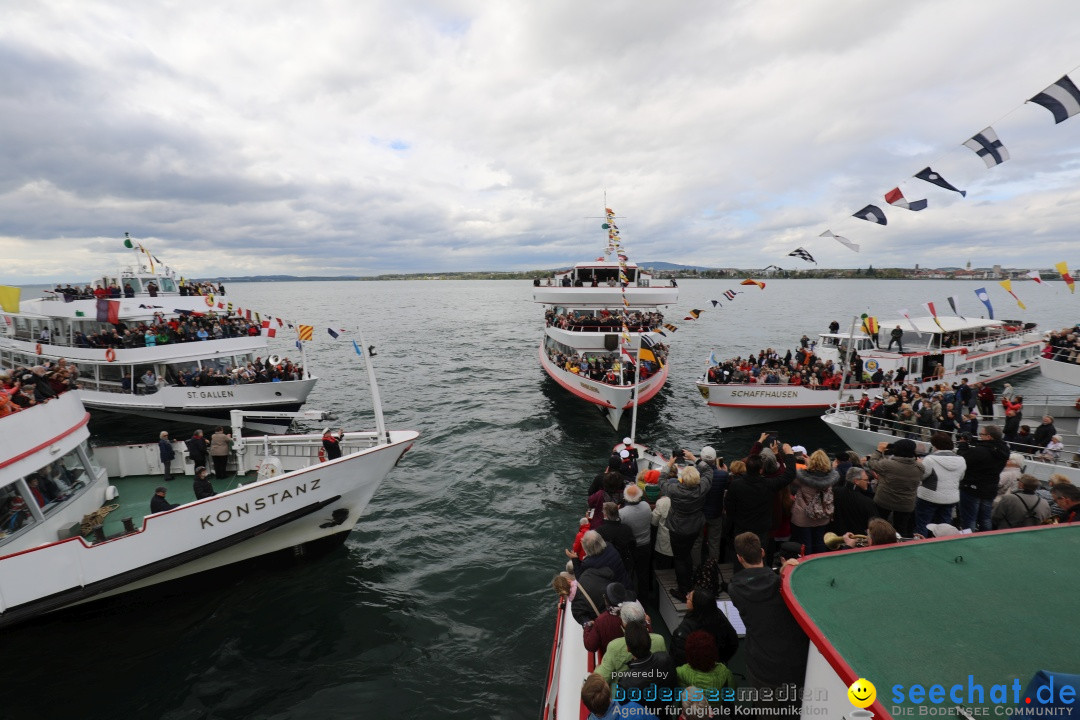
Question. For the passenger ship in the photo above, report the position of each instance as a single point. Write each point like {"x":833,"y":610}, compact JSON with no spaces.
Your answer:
{"x":51,"y":481}
{"x":945,"y":351}
{"x":111,"y":378}
{"x":606,"y":312}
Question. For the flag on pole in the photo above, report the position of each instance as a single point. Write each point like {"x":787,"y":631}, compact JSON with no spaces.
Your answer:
{"x":1062,"y":99}
{"x":626,"y":354}
{"x":873,"y":214}
{"x":751,"y":281}
{"x":1034,"y":275}
{"x":712,"y":359}
{"x":9,"y":298}
{"x":952,"y":304}
{"x":987,"y":146}
{"x":904,"y":312}
{"x":1007,"y":284}
{"x":985,"y":298}
{"x":1063,"y":268}
{"x":896,"y":198}
{"x":305,"y":331}
{"x":933,"y":314}
{"x":840,"y":239}
{"x":869,"y":324}
{"x":934,"y":179}
{"x":802,"y":253}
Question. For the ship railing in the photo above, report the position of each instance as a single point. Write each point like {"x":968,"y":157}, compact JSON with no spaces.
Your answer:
{"x":1068,"y":456}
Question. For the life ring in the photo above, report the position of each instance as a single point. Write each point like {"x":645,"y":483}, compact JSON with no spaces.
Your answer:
{"x":210,"y":300}
{"x":871,"y":365}
{"x":322,"y":451}
{"x":38,"y":348}
{"x":110,"y":355}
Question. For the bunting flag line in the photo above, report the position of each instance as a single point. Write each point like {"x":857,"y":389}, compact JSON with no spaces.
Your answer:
{"x":669,"y":326}
{"x":802,"y":253}
{"x":872,"y":213}
{"x":952,"y":304}
{"x":267,"y":330}
{"x":1062,"y":99}
{"x":1063,"y":268}
{"x":305,"y":331}
{"x":730,"y":294}
{"x":9,"y":298}
{"x":985,"y":298}
{"x":904,"y":312}
{"x":934,"y":179}
{"x":694,"y":314}
{"x":751,"y":281}
{"x":869,"y":324}
{"x":933,"y":313}
{"x":1034,"y":275}
{"x":1007,"y":284}
{"x":332,"y":333}
{"x":987,"y":146}
{"x":357,"y":348}
{"x":715,"y":303}
{"x":896,"y":198}
{"x":840,"y":239}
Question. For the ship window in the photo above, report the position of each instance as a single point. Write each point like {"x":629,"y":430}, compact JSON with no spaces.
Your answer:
{"x":15,"y":515}
{"x":135,"y":283}
{"x":168,"y":285}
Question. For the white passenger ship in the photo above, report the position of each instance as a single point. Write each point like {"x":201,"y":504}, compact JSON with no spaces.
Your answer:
{"x":113,"y":378}
{"x":50,"y":480}
{"x":980,"y":350}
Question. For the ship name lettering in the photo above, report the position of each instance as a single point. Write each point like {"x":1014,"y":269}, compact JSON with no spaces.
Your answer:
{"x":259,"y":503}
{"x":765,"y":393}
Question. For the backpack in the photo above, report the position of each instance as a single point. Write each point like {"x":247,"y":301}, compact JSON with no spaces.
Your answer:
{"x":1030,"y":519}
{"x":821,"y":505}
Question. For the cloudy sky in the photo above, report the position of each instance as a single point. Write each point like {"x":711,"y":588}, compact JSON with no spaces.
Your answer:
{"x":341,"y":137}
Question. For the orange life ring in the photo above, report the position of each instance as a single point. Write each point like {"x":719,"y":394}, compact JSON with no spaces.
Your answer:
{"x":110,"y":355}
{"x":322,"y":451}
{"x":210,"y":300}
{"x":38,"y":348}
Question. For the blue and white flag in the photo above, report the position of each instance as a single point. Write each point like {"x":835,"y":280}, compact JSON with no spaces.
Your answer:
{"x":987,"y":146}
{"x":1062,"y":99}
{"x":712,"y":359}
{"x":935,"y":179}
{"x":981,"y":294}
{"x":873,"y":214}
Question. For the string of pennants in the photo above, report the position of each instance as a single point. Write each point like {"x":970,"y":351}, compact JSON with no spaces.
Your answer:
{"x":870,"y":326}
{"x":1061,"y":99}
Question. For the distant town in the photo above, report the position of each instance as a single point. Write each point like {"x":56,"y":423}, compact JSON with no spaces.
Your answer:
{"x":681,"y":272}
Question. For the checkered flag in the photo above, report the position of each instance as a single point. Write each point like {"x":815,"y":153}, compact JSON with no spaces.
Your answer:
{"x":801,"y":253}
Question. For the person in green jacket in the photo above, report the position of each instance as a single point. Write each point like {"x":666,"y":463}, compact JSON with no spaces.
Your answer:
{"x":702,"y":668}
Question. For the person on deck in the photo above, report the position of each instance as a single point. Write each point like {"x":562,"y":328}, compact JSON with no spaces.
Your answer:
{"x":937,"y":496}
{"x":202,"y":486}
{"x":166,"y":453}
{"x":896,"y":336}
{"x":332,"y":444}
{"x":899,"y":476}
{"x":220,"y":445}
{"x":702,"y":614}
{"x":1067,"y":497}
{"x":685,"y":520}
{"x":198,"y":447}
{"x":985,"y":458}
{"x":158,"y":503}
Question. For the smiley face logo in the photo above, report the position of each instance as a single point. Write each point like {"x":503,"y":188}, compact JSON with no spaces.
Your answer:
{"x":862,"y":693}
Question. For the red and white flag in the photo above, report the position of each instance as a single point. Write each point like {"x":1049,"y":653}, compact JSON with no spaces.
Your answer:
{"x":896,"y":198}
{"x":267,"y":330}
{"x":1034,"y":275}
{"x":933,"y":314}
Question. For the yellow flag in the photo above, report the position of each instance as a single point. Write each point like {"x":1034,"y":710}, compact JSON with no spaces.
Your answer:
{"x":9,"y":298}
{"x":1007,"y":284}
{"x":1063,"y":268}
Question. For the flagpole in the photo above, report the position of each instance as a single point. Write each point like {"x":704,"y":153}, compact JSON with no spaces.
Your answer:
{"x":376,"y":400}
{"x":637,"y":375}
{"x":847,"y":363}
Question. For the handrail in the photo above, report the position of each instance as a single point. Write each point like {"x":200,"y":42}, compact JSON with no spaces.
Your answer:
{"x":551,"y":690}
{"x":850,"y":418}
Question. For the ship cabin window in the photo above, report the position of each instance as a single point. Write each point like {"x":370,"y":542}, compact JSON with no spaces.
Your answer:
{"x":167,"y":284}
{"x":604,"y":275}
{"x":15,"y":514}
{"x":173,"y":371}
{"x":135,"y":283}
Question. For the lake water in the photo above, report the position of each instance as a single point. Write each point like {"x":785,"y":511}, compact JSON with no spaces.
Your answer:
{"x":439,"y":604}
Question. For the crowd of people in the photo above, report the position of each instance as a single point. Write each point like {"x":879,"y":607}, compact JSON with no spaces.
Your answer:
{"x":776,"y":503}
{"x":1064,"y":345}
{"x":605,"y":321}
{"x":24,"y":387}
{"x":609,"y":368}
{"x":71,"y":292}
{"x":186,"y":328}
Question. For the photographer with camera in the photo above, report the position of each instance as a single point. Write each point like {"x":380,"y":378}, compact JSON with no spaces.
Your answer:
{"x":686,"y":517}
{"x":985,"y":458}
{"x":749,"y":500}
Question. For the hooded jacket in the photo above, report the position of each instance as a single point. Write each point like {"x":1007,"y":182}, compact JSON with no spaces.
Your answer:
{"x":807,"y":485}
{"x":949,"y":468}
{"x":898,"y":479}
{"x":687,"y":503}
